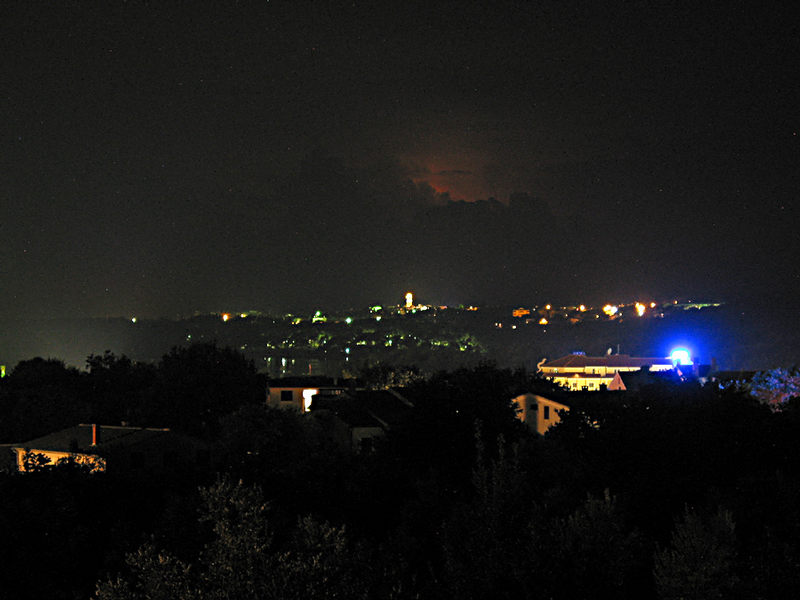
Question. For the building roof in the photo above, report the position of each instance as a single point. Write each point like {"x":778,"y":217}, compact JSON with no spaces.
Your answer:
{"x":580,"y":361}
{"x":387,"y":406}
{"x":309,"y":381}
{"x":636,"y":380}
{"x":366,"y":408}
{"x":79,"y":438}
{"x":346,"y":408}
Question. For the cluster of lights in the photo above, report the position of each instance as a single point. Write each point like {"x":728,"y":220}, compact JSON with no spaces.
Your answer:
{"x":610,"y":309}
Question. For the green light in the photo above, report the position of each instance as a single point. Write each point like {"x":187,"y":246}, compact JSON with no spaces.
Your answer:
{"x":348,"y":320}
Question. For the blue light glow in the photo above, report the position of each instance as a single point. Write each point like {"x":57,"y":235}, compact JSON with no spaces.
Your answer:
{"x":680,"y":356}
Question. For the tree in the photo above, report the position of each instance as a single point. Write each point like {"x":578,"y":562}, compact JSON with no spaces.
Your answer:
{"x":154,"y":576}
{"x":242,"y":561}
{"x":117,"y":388}
{"x":485,"y":541}
{"x":587,"y":554}
{"x":39,"y":397}
{"x":699,"y":564}
{"x":195,"y":386}
{"x":776,"y":386}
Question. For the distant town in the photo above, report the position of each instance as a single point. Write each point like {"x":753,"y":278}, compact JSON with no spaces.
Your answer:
{"x":429,"y":336}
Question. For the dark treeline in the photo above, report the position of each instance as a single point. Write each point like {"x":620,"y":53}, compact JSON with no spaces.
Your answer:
{"x":679,"y":491}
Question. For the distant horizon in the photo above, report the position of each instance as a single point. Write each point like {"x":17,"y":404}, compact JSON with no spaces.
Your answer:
{"x":235,"y":312}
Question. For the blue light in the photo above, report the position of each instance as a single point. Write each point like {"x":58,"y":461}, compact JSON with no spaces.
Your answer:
{"x":680,"y":356}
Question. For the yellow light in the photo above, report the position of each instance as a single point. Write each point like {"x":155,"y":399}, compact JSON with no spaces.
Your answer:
{"x":652,"y":305}
{"x":640,"y":308}
{"x":610,"y":310}
{"x":308,"y":397}
{"x":548,"y":307}
{"x":582,"y":308}
{"x":542,"y":321}
{"x":133,"y":319}
{"x":409,"y":300}
{"x":226,"y":316}
{"x":243,"y":315}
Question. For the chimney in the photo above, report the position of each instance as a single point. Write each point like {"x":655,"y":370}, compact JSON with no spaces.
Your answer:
{"x":95,"y":434}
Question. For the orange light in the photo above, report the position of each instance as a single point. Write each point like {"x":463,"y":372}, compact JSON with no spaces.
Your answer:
{"x":226,"y":316}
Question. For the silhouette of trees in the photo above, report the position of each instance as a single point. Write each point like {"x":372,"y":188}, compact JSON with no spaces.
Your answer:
{"x":242,"y":560}
{"x":699,"y":564}
{"x":460,"y":499}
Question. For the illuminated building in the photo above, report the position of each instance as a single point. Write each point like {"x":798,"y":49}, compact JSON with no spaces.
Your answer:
{"x":125,"y":448}
{"x":538,"y":412}
{"x":409,"y":300}
{"x":579,"y":372}
{"x":297,"y":393}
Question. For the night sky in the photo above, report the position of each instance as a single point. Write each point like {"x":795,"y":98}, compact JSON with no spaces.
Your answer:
{"x":158,"y":160}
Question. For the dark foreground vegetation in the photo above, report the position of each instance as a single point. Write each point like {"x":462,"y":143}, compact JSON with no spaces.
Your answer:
{"x":675,"y":492}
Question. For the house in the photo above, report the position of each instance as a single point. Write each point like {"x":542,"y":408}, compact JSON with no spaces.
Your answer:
{"x":578,"y":372}
{"x":296,"y":393}
{"x":359,"y":417}
{"x":538,"y":412}
{"x":115,"y":447}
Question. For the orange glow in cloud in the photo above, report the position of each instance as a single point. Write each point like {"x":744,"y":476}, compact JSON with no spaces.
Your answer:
{"x":461,"y":176}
